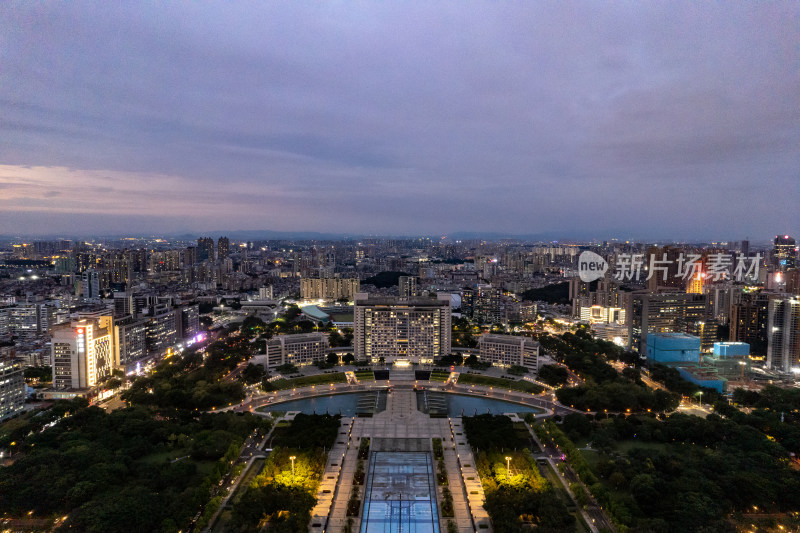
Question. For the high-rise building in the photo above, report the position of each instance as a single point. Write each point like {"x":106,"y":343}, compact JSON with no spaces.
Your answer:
{"x":487,"y":306}
{"x":299,"y":350}
{"x":329,"y":288}
{"x":123,"y":304}
{"x":265,"y":293}
{"x":509,"y":350}
{"x":82,"y":354}
{"x":223,"y":247}
{"x":749,"y":316}
{"x":661,"y":313}
{"x":90,"y":284}
{"x":162,"y":329}
{"x":12,"y":388}
{"x":785,"y":253}
{"x":130,"y":341}
{"x":190,"y":321}
{"x":665,"y":275}
{"x":695,"y":285}
{"x":412,"y":330}
{"x":189,"y":256}
{"x":407,"y":286}
{"x":24,"y":320}
{"x":783,"y":334}
{"x":205,"y":249}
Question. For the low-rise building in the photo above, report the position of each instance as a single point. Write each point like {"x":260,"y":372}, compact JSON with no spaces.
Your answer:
{"x":509,"y":350}
{"x":673,"y":348}
{"x":299,"y":350}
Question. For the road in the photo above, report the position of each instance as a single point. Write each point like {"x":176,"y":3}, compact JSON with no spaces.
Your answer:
{"x":593,"y":514}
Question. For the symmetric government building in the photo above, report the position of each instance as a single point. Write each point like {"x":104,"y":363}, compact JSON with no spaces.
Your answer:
{"x":413,"y":330}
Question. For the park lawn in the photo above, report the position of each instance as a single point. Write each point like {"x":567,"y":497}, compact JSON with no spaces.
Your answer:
{"x":593,"y":458}
{"x":365,"y":375}
{"x":307,"y":381}
{"x":167,"y":455}
{"x":500,"y":383}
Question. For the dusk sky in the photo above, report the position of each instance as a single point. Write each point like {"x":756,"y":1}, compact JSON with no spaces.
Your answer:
{"x":581,"y":119}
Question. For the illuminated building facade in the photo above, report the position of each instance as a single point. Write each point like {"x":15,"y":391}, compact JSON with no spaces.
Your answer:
{"x":223,"y":247}
{"x":162,"y":329}
{"x":412,"y":330}
{"x":661,"y":313}
{"x":509,"y":350}
{"x":299,"y":350}
{"x":407,"y":286}
{"x":130,"y":341}
{"x":12,"y":388}
{"x":785,"y":253}
{"x":783,"y":334}
{"x":82,"y":354}
{"x":329,"y":288}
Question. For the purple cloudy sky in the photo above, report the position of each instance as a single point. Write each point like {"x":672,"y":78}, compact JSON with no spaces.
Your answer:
{"x":630,"y":119}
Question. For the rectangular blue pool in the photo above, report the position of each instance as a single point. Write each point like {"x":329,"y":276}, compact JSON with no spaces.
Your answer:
{"x":400,"y":495}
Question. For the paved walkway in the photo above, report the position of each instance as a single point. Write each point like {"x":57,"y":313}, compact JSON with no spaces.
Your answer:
{"x":336,"y":469}
{"x":402,"y":420}
{"x":465,"y":468}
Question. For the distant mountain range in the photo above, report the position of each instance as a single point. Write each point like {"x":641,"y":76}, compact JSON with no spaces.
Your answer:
{"x":267,"y":235}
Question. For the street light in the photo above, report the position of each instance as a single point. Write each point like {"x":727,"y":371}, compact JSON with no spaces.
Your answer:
{"x":292,"y":458}
{"x":508,"y":467}
{"x":700,"y":398}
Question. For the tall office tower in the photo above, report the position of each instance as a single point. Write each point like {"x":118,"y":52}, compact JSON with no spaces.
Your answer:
{"x":661,"y":313}
{"x":130,"y":341}
{"x":329,"y":288}
{"x":413,"y":330}
{"x":749,"y":318}
{"x":783,"y":335}
{"x":205,"y":249}
{"x":407,"y":286}
{"x":223,"y":247}
{"x":82,"y":354}
{"x":785,"y":253}
{"x":12,"y":388}
{"x":509,"y":350}
{"x":300,"y":350}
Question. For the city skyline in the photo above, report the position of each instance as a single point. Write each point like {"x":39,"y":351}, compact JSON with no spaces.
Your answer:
{"x":652,"y":122}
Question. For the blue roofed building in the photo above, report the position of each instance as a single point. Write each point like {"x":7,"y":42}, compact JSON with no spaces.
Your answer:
{"x":673,"y":348}
{"x":704,"y":377}
{"x":731,"y":349}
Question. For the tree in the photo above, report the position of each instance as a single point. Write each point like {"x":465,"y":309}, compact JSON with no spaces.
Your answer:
{"x":553,"y":375}
{"x":332,"y":359}
{"x":253,"y":374}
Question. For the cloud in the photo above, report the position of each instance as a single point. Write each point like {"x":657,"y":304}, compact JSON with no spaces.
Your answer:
{"x":404,"y":117}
